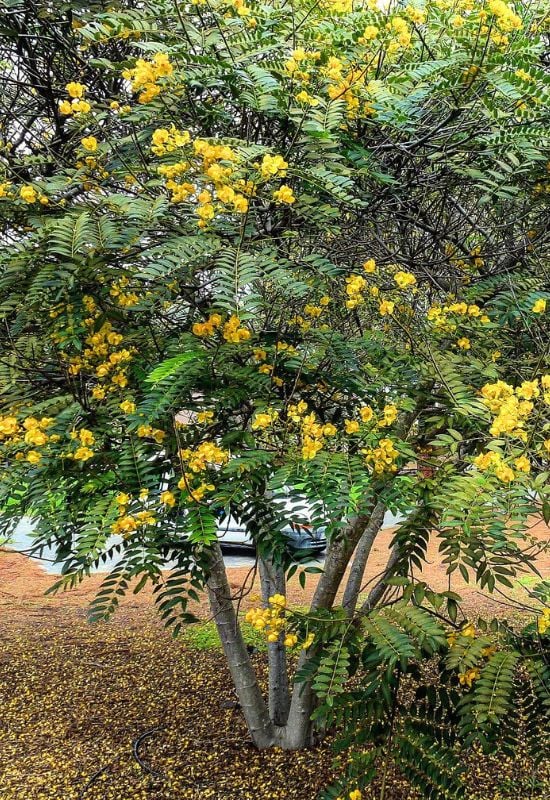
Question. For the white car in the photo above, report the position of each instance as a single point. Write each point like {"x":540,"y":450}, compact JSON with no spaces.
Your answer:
{"x":301,"y":534}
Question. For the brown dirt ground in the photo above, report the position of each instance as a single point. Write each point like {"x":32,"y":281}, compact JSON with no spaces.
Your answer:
{"x":23,"y":582}
{"x":74,"y":698}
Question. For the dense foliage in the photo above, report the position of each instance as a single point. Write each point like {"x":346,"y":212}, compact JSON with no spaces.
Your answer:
{"x":269,"y":249}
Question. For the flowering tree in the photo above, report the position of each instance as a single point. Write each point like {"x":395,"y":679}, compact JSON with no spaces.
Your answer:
{"x":271,"y":250}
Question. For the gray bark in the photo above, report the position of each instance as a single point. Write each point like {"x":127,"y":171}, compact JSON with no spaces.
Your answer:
{"x":298,"y":731}
{"x":244,"y":678}
{"x":273,"y":582}
{"x":338,"y":555}
{"x":362,"y":553}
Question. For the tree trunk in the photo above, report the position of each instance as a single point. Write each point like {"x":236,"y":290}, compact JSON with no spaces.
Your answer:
{"x":244,"y":678}
{"x":273,"y":582}
{"x":362,"y":553}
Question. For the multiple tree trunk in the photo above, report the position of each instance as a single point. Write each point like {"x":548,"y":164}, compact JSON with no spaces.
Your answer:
{"x":285,"y":720}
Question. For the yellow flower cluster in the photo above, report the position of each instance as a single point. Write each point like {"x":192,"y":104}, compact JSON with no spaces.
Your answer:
{"x":370,"y":33}
{"x":284,"y":195}
{"x":506,"y":19}
{"x":345,"y":86}
{"x":195,"y":493}
{"x":438,"y":316}
{"x":404,"y":279}
{"x":89,"y":143}
{"x":386,"y":308}
{"x":272,"y":623}
{"x":467,"y":630}
{"x":355,"y":794}
{"x":148,"y":432}
{"x":101,"y":356}
{"x":504,"y":472}
{"x":77,"y":104}
{"x":512,"y":407}
{"x":123,"y":299}
{"x":539,"y":306}
{"x":31,"y":431}
{"x":382,"y":457}
{"x":166,"y":140}
{"x":210,"y":175}
{"x":401,"y":35}
{"x":543,"y":623}
{"x":338,"y":6}
{"x":129,"y":523}
{"x":232,"y":331}
{"x":9,"y":427}
{"x":295,"y":64}
{"x":145,"y":75}
{"x":312,"y":432}
{"x":264,"y":419}
{"x":273,"y":167}
{"x":355,"y":287}
{"x":209,"y":327}
{"x":389,"y":416}
{"x":467,"y":678}
{"x":84,"y":438}
{"x":207,"y":454}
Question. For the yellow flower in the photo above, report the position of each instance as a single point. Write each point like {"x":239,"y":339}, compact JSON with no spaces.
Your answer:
{"x":144,"y":431}
{"x":356,"y":794}
{"x":123,"y":499}
{"x":310,"y":447}
{"x":272,"y":166}
{"x":89,"y":143}
{"x":366,"y":413}
{"x":284,"y":195}
{"x":467,"y":678}
{"x":544,"y":621}
{"x":352,"y":426}
{"x":370,"y":266}
{"x":523,"y":464}
{"x":528,"y":390}
{"x":83,"y":454}
{"x":28,"y":194}
{"x":504,"y":473}
{"x":370,"y":32}
{"x":205,"y":416}
{"x":33,"y":456}
{"x":464,"y":343}
{"x":233,"y":331}
{"x":86,"y":437}
{"x":404,"y":279}
{"x":390,"y":415}
{"x":98,"y":392}
{"x":168,"y":499}
{"x":539,"y":306}
{"x":277,"y":600}
{"x":65,"y":108}
{"x":468,"y":630}
{"x":75,"y":90}
{"x":264,"y":420}
{"x":306,"y":99}
{"x":36,"y":437}
{"x":386,"y":307}
{"x":128,"y":406}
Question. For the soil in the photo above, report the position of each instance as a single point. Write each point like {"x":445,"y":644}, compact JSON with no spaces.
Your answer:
{"x":122,"y":710}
